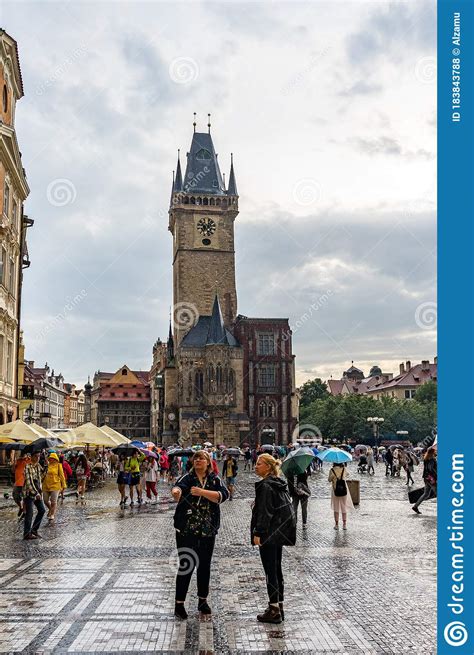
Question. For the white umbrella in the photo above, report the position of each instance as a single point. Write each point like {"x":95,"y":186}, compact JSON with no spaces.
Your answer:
{"x":20,"y":431}
{"x":89,"y":435}
{"x":119,"y":438}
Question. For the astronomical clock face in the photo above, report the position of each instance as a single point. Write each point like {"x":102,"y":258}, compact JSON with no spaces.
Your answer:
{"x":206,"y":227}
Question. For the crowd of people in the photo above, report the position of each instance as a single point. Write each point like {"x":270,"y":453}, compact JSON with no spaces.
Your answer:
{"x":200,"y":481}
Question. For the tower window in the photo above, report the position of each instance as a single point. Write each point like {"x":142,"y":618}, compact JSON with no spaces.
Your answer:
{"x":204,"y":155}
{"x":266,"y":376}
{"x":5,"y":98}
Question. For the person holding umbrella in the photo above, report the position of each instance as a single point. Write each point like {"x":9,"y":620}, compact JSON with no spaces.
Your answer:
{"x":273,"y":526}
{"x":229,"y":470}
{"x":199,"y":494}
{"x":33,"y":497}
{"x":341,"y":499}
{"x":297,"y":464}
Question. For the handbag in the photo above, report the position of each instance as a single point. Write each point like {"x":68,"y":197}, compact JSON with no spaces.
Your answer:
{"x":341,"y":488}
{"x":415,"y":494}
{"x":302,"y":490}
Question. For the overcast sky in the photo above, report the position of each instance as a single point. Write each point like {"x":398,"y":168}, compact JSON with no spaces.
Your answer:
{"x":330,"y":111}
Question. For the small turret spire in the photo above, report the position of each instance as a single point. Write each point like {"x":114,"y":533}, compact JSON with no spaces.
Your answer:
{"x":232,"y":189}
{"x":209,"y":123}
{"x":194,"y":124}
{"x":178,"y":180}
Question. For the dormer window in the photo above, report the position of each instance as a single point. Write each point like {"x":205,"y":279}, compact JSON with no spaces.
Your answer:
{"x":124,"y":371}
{"x":203,"y":155}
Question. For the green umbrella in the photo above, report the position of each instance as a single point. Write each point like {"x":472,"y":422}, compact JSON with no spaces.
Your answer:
{"x":297,"y":461}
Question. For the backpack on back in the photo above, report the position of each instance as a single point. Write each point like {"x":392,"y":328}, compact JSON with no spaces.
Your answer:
{"x":341,"y":488}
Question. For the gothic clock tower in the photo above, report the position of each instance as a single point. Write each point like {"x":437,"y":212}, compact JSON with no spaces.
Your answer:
{"x":201,"y":220}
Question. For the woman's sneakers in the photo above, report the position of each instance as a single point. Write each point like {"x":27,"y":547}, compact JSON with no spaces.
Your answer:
{"x":203,"y":607}
{"x":180,"y":611}
{"x":271,"y":615}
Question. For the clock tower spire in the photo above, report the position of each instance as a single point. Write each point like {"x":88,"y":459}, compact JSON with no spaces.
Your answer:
{"x":201,"y":219}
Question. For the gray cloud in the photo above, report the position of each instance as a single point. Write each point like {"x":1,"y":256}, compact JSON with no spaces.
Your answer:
{"x":361,"y":88}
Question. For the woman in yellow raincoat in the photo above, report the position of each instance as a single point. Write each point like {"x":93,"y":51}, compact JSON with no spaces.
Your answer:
{"x":54,"y":483}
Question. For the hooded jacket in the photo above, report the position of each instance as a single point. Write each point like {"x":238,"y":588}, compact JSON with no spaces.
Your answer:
{"x":54,"y":479}
{"x":273,"y":515}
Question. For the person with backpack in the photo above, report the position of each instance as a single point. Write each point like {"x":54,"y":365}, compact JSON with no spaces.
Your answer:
{"x":273,"y":526}
{"x":341,"y":499}
{"x":300,"y":493}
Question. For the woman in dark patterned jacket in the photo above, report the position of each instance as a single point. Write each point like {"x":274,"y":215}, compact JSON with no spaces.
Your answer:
{"x":197,"y":519}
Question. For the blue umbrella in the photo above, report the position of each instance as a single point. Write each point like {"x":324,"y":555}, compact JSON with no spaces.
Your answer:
{"x":315,"y":451}
{"x":336,"y":455}
{"x":137,"y":444}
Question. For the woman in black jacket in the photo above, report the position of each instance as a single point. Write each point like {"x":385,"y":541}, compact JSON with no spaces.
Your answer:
{"x":273,"y":526}
{"x":430,"y":477}
{"x":196,"y":520}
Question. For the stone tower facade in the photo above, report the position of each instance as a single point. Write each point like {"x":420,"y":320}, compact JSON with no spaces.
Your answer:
{"x":201,"y":220}
{"x":199,"y":379}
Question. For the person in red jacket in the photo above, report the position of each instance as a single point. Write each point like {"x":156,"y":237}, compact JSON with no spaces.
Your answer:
{"x":164,"y":464}
{"x":67,"y":472}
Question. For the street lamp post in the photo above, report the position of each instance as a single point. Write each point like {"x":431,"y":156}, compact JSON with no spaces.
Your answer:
{"x":29,"y":414}
{"x":376,"y":422}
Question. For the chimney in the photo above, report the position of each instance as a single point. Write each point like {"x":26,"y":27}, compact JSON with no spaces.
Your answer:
{"x":408,"y":365}
{"x":436,"y":360}
{"x":402,"y":368}
{"x":425,"y":365}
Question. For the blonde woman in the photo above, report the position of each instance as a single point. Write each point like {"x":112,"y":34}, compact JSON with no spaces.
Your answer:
{"x":341,"y":499}
{"x":199,"y":494}
{"x":273,"y":526}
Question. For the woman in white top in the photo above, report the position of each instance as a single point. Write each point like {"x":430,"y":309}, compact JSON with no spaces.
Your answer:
{"x":339,"y":504}
{"x":151,"y":478}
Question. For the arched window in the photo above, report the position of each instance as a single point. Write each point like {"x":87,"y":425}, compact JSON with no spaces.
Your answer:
{"x":193,"y":200}
{"x":199,"y":384}
{"x":231,"y":381}
{"x":262,"y":409}
{"x":271,"y":411}
{"x":211,"y":378}
{"x":5,"y":98}
{"x":212,"y":202}
{"x":219,"y":377}
{"x":205,"y":201}
{"x":124,"y":371}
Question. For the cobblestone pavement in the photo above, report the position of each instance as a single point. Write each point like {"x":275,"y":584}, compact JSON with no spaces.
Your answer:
{"x":102,"y":580}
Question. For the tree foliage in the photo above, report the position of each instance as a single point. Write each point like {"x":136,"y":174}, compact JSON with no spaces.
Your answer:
{"x":313,"y":390}
{"x":345,"y":417}
{"x":427,"y":392}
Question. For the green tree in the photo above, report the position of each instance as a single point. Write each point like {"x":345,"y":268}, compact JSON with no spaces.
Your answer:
{"x":313,"y":390}
{"x":427,"y":392}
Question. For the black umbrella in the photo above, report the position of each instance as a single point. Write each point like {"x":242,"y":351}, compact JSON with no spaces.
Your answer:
{"x":268,"y":448}
{"x":43,"y":443}
{"x":125,"y":449}
{"x":181,"y":452}
{"x":12,"y":446}
{"x":233,"y":451}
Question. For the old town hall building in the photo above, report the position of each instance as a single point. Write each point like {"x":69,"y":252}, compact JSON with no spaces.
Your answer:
{"x":221,"y":376}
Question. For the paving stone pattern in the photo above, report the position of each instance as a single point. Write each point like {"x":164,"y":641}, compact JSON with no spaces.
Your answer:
{"x":102,"y":580}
